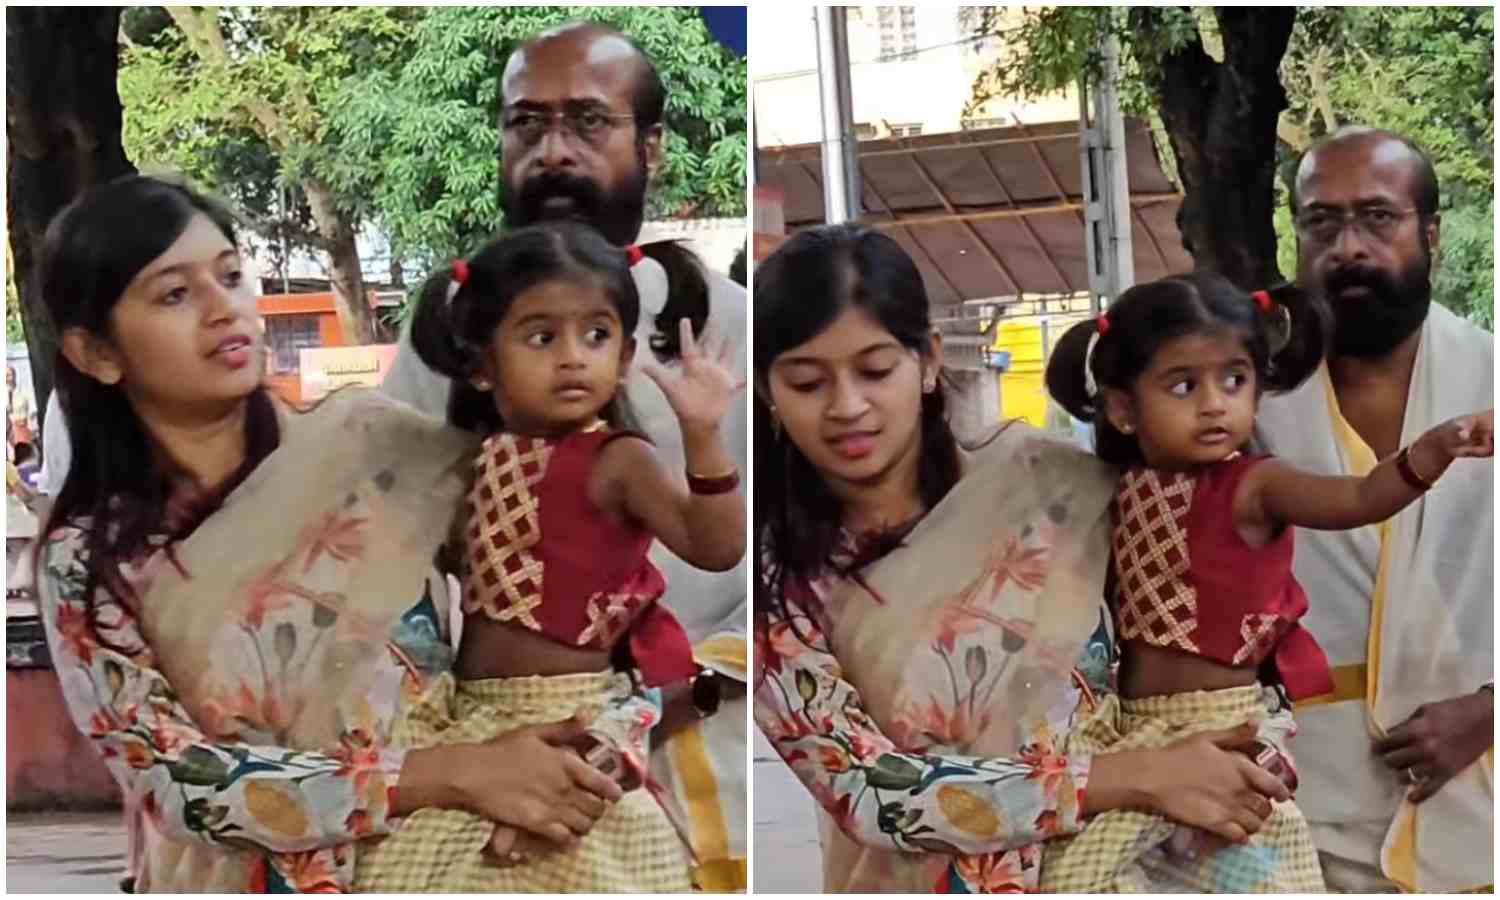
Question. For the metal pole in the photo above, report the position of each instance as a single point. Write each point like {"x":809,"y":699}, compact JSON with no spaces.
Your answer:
{"x":1106,"y":189}
{"x":839,"y":150}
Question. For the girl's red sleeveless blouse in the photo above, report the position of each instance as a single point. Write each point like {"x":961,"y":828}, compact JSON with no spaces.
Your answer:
{"x":1187,"y":580}
{"x":540,"y":554}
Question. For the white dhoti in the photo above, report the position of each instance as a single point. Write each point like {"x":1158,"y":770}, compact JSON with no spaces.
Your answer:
{"x":1405,"y":612}
{"x":702,"y":771}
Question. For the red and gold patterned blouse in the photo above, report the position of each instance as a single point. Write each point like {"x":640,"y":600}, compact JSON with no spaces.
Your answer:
{"x":540,"y":554}
{"x":1187,"y":581}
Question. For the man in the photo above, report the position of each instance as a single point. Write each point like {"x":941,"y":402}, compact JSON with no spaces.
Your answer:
{"x":1396,"y":765}
{"x":593,"y":162}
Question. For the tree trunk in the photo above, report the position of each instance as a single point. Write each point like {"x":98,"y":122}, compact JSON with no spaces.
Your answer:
{"x":1221,"y":119}
{"x":355,"y":315}
{"x":63,"y":116}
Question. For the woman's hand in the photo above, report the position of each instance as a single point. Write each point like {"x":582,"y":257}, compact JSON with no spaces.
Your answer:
{"x":1198,"y":781}
{"x":532,"y":778}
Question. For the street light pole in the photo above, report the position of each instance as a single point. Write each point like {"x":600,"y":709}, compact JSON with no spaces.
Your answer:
{"x":840,"y":151}
{"x":1106,"y":188}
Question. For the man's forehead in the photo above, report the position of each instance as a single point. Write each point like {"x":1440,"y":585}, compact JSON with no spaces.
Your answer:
{"x":572,"y":66}
{"x":1372,"y":166}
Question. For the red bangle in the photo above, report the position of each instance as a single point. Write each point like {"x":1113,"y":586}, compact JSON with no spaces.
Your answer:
{"x":713,"y":484}
{"x":1408,"y":473}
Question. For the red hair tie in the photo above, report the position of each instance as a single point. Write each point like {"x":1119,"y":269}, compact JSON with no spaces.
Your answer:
{"x":634,"y":254}
{"x":460,"y":271}
{"x":1102,"y":323}
{"x":1263,"y":300}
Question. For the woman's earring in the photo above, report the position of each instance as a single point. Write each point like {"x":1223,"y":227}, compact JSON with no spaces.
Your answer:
{"x":1128,"y":428}
{"x":929,"y":384}
{"x":482,"y":385}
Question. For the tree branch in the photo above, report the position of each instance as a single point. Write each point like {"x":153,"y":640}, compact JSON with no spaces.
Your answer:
{"x":207,"y":41}
{"x":1318,"y":84}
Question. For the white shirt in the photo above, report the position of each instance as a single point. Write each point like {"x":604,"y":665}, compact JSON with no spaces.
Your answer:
{"x":702,"y":601}
{"x":57,"y":450}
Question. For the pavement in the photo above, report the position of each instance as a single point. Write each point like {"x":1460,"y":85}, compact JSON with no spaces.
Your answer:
{"x":787,"y":857}
{"x":64,"y":853}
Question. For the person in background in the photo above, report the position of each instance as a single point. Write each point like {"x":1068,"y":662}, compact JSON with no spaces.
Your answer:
{"x":1397,"y":761}
{"x":20,"y":410}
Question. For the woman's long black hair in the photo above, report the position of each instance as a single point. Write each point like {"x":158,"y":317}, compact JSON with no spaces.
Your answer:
{"x":799,"y":291}
{"x":450,"y":335}
{"x":1149,"y":315}
{"x":116,"y":488}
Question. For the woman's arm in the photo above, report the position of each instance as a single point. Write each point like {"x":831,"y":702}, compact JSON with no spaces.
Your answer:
{"x":963,"y":804}
{"x":276,"y":798}
{"x":1275,"y":494}
{"x":887,"y":799}
{"x":197,"y":789}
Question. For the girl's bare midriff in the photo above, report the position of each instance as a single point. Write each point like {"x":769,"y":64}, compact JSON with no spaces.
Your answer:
{"x":1150,"y":671}
{"x":493,"y":649}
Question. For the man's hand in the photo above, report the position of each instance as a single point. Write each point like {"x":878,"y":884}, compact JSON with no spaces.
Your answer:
{"x":1439,"y":741}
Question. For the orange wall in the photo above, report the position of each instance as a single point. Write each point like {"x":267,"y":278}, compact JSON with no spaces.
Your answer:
{"x":289,"y":387}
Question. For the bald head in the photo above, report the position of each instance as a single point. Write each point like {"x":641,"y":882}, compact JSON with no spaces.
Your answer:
{"x":597,"y":48}
{"x":1370,"y":148}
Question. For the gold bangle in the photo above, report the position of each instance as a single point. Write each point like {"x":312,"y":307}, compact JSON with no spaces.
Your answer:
{"x":732,"y":470}
{"x":713,"y":484}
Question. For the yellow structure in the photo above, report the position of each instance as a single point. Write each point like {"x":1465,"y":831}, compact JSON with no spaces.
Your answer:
{"x":1029,"y":339}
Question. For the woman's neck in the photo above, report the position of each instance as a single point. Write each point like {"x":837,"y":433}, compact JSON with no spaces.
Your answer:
{"x":891,"y":503}
{"x":200,"y":450}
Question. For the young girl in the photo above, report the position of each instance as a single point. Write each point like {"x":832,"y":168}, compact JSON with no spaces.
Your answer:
{"x":1204,"y":599}
{"x":535,"y":330}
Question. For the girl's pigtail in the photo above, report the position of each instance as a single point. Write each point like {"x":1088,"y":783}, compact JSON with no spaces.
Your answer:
{"x":687,"y":295}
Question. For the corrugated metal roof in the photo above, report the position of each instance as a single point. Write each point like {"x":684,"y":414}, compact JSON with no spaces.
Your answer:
{"x":992,"y":213}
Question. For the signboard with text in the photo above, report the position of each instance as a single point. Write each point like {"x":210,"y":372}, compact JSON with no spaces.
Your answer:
{"x":328,"y":368}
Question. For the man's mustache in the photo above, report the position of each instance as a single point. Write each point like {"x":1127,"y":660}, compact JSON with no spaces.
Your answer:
{"x":1357,"y":276}
{"x":536,"y":191}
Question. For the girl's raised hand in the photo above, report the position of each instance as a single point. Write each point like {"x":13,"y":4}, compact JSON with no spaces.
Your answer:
{"x":1470,"y":436}
{"x":702,"y":387}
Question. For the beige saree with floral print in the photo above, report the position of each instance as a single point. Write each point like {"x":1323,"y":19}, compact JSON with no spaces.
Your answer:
{"x":288,"y":597}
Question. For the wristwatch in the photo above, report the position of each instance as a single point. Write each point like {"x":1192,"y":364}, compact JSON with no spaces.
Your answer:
{"x":708,"y":692}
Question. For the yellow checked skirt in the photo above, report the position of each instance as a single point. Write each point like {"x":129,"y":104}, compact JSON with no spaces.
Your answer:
{"x":1122,"y":850}
{"x":631,"y":849}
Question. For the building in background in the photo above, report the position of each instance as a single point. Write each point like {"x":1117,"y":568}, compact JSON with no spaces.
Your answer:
{"x":913,"y":69}
{"x":990,"y":202}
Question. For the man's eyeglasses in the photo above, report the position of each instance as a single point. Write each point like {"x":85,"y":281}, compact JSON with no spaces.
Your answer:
{"x":1324,"y":224}
{"x":588,"y":125}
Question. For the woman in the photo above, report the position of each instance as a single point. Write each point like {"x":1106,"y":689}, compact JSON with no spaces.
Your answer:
{"x":929,"y":620}
{"x":237,"y":595}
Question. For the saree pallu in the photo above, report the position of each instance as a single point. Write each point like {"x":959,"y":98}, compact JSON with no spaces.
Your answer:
{"x":632,"y":848}
{"x":1124,"y":850}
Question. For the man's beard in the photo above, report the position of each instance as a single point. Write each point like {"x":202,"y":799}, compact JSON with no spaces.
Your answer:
{"x":1369,"y":327}
{"x":616,"y":214}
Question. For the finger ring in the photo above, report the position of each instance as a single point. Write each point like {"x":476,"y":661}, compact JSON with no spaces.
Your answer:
{"x":1411,"y":775}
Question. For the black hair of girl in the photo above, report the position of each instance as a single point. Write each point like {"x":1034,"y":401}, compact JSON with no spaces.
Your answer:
{"x":93,"y":250}
{"x":799,"y":291}
{"x":1149,"y":315}
{"x":450,"y":335}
